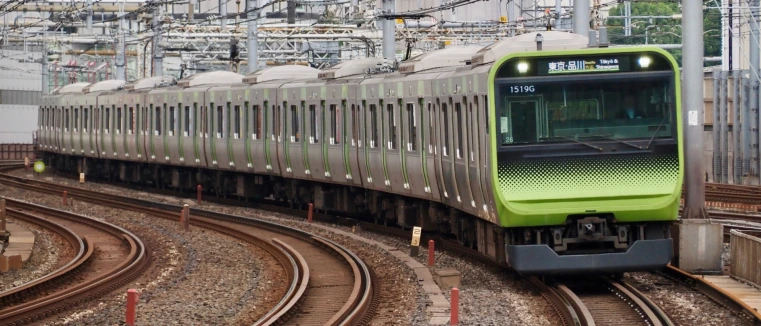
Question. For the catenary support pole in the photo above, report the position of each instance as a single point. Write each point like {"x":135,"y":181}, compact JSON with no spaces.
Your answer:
{"x":723,"y":115}
{"x":158,"y":52}
{"x":389,"y":41}
{"x":581,"y":17}
{"x":253,"y":34}
{"x":716,"y":166}
{"x":692,"y":101}
{"x":223,"y":14}
{"x":121,"y":55}
{"x":736,"y":143}
{"x":754,"y":76}
{"x":44,"y":67}
{"x":745,"y":126}
{"x":89,"y":17}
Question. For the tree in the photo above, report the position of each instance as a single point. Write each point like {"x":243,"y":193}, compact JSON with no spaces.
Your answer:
{"x":663,"y":31}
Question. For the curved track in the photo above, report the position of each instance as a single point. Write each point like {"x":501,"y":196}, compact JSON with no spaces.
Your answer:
{"x":600,"y":301}
{"x":328,"y":284}
{"x":125,"y":260}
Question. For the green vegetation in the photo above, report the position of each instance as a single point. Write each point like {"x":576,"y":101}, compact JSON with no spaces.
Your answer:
{"x":664,"y":31}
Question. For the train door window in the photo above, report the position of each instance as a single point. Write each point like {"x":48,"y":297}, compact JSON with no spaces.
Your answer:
{"x":412,"y":128}
{"x":458,"y":129}
{"x":108,"y":121}
{"x":157,"y":122}
{"x":474,"y":126}
{"x":391,"y":117}
{"x":486,"y":105}
{"x":257,"y":112}
{"x":118,"y":127}
{"x":186,"y":117}
{"x":294,"y":124}
{"x":276,"y":118}
{"x":131,"y":121}
{"x":445,"y":144}
{"x":374,"y":126}
{"x":431,"y":134}
{"x":333,"y":124}
{"x":236,"y":112}
{"x":220,"y":121}
{"x":86,"y":120}
{"x":76,"y":119}
{"x":172,"y":121}
{"x":354,"y":124}
{"x":313,"y":139}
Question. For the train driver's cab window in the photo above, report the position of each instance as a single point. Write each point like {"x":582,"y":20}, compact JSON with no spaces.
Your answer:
{"x":586,"y":109}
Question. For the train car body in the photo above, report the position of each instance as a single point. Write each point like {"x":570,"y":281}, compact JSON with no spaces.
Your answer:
{"x":555,"y":161}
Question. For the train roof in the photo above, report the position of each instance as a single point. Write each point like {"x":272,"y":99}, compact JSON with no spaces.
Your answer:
{"x":287,"y":72}
{"x":211,"y":78}
{"x":552,"y":40}
{"x":106,"y":85}
{"x":71,"y":88}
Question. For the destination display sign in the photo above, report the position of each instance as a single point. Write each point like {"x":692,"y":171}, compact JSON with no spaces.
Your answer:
{"x":562,"y":66}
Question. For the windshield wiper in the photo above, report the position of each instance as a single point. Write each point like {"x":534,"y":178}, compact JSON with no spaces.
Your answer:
{"x":622,"y":142}
{"x":655,"y":133}
{"x":583,"y":143}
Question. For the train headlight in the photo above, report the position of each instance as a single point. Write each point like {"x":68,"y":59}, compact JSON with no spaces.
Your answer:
{"x":522,"y":67}
{"x":644,"y":62}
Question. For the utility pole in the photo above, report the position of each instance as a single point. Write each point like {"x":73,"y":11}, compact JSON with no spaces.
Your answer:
{"x":558,"y":9}
{"x":121,"y":58}
{"x":158,"y":52}
{"x":581,"y":17}
{"x":512,"y":17}
{"x":692,"y":99}
{"x":253,"y":33}
{"x":192,"y":10}
{"x":628,"y":19}
{"x":389,"y":37}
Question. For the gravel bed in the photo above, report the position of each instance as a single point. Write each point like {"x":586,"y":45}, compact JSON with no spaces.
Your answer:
{"x":50,"y":252}
{"x":487,"y":296}
{"x":197,"y":277}
{"x":684,"y":305}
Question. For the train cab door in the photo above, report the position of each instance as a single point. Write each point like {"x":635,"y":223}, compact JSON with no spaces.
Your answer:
{"x":96,"y":130}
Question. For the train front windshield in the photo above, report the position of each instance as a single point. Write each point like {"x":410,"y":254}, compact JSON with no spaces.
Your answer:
{"x":585,"y":108}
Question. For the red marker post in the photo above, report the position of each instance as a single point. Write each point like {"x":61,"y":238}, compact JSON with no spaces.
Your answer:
{"x":64,"y":197}
{"x":199,"y":189}
{"x":309,"y":215}
{"x":455,"y":305}
{"x":131,"y":306}
{"x":430,"y":253}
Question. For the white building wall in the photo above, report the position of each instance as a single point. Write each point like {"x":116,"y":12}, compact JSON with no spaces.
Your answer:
{"x":17,"y":123}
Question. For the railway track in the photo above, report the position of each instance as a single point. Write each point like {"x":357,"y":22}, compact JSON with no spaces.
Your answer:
{"x":327,"y":283}
{"x":601,"y":301}
{"x":564,"y":308}
{"x":124,"y":259}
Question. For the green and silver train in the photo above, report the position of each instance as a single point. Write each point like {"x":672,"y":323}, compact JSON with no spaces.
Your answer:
{"x":556,"y":161}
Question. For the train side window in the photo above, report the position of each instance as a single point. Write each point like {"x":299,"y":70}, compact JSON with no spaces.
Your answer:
{"x":220,"y":121}
{"x":186,"y":131}
{"x":391,"y":117}
{"x":294,"y":124}
{"x":236,"y":111}
{"x":172,"y":121}
{"x":255,"y":111}
{"x":67,"y":122}
{"x":458,"y":129}
{"x":334,"y":124}
{"x":313,"y":139}
{"x":374,"y":126}
{"x":157,"y":122}
{"x":444,"y":112}
{"x":412,"y":128}
{"x":474,"y":127}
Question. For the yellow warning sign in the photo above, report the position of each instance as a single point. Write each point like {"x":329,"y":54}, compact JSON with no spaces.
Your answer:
{"x":503,"y":19}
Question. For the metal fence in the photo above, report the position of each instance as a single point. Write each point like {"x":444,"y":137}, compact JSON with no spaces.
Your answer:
{"x":745,"y":250}
{"x":16,"y":152}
